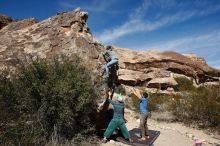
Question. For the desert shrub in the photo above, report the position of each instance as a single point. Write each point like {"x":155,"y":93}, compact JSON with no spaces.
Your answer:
{"x":44,"y":95}
{"x":78,"y":140}
{"x":120,"y":89}
{"x":158,"y":102}
{"x":201,"y":106}
{"x":184,"y":84}
{"x":214,"y":73}
{"x":135,"y":103}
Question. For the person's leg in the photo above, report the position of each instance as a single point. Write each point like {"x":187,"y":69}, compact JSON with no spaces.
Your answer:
{"x":142,"y":122}
{"x":106,"y":71}
{"x":124,"y":129}
{"x":146,"y":126}
{"x":108,"y":65}
{"x":111,"y":128}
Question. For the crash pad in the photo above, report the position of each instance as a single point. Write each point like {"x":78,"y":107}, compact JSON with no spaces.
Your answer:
{"x":135,"y":136}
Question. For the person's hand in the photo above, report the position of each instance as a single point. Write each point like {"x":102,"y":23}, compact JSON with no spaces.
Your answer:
{"x":99,"y":109}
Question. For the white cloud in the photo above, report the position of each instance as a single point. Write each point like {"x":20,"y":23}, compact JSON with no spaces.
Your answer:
{"x":92,"y":6}
{"x":186,"y":44}
{"x":136,"y":23}
{"x":141,"y":10}
{"x":206,"y":45}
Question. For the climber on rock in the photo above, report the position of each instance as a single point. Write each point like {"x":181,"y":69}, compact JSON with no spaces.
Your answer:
{"x":111,"y":59}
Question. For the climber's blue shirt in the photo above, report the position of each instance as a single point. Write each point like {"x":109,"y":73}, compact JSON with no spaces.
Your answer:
{"x":143,"y":105}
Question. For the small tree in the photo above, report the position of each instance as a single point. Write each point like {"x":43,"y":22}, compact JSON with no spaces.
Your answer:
{"x":120,"y":90}
{"x":200,"y":106}
{"x":44,"y":96}
{"x":184,"y":84}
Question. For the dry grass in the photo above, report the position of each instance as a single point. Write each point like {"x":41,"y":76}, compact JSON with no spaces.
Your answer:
{"x":197,"y":106}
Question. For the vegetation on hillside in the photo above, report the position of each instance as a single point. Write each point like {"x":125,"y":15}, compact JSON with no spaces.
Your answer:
{"x":46,"y":99}
{"x":214,"y":73}
{"x":120,"y":90}
{"x":184,"y":84}
{"x":199,"y":106}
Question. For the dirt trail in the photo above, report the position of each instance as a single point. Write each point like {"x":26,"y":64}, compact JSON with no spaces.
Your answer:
{"x":171,"y":134}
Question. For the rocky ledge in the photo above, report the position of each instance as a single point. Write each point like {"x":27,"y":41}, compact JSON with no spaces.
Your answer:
{"x":67,"y":34}
{"x":155,"y":69}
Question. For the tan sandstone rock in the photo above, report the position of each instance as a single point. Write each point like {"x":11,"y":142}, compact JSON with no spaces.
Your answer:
{"x":4,"y":20}
{"x":65,"y":34}
{"x":162,"y":82}
{"x":68,"y":34}
{"x":140,"y":67}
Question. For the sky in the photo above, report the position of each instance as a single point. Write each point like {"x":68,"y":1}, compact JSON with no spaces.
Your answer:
{"x":183,"y":26}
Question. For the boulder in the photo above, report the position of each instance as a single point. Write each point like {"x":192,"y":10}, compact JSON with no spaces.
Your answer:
{"x":4,"y":20}
{"x":64,"y":34}
{"x":162,"y":83}
{"x":67,"y":33}
{"x":20,"y":24}
{"x":137,"y":67}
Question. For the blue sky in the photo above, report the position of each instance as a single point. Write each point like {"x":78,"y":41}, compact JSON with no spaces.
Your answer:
{"x":184,"y":26}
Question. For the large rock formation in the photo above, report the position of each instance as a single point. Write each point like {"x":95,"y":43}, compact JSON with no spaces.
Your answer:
{"x":68,"y":34}
{"x":64,"y":34}
{"x":4,"y":20}
{"x":155,"y":69}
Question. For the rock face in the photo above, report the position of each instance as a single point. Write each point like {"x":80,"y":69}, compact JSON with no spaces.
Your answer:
{"x":4,"y":20}
{"x":68,"y":34}
{"x":21,"y":24}
{"x":155,"y":69}
{"x":162,"y":82}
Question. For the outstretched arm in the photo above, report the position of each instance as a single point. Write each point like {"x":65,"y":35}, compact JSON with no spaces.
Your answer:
{"x":137,"y":93}
{"x":100,"y":107}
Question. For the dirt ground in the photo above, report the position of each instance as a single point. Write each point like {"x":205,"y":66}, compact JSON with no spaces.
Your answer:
{"x":171,"y":134}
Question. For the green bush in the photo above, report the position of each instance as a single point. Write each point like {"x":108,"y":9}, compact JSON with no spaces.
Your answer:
{"x":157,"y":102}
{"x":120,"y":90}
{"x":184,"y":84}
{"x":214,"y":73}
{"x":135,"y":103}
{"x":201,"y":106}
{"x":44,"y":96}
